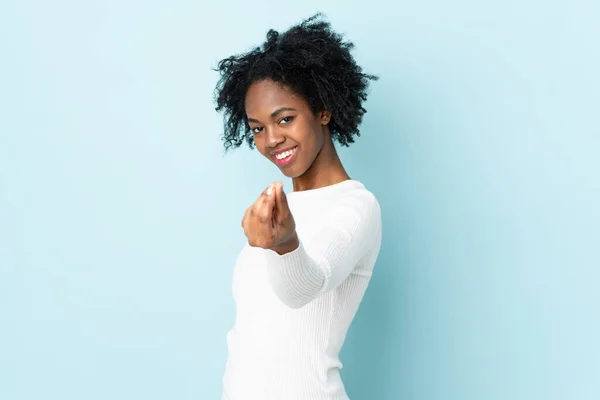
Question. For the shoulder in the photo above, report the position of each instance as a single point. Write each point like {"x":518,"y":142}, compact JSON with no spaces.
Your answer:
{"x":358,"y":199}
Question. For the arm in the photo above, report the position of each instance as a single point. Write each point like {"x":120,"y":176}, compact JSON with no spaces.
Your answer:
{"x":322,"y":263}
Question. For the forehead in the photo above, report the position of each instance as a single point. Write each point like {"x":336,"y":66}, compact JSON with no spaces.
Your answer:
{"x":267,"y":96}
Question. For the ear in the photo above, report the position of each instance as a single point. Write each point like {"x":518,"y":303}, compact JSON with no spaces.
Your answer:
{"x":324,"y":117}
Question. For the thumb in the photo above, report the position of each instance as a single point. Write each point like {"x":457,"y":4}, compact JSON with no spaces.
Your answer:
{"x":271,"y":195}
{"x":281,"y":199}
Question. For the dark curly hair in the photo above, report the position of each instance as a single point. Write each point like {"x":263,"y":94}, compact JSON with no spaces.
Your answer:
{"x":310,"y":59}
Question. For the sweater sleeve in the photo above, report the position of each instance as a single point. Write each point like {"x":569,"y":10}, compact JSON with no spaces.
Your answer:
{"x":327,"y":259}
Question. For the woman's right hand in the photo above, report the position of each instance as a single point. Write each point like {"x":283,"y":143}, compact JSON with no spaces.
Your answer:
{"x":268,"y":223}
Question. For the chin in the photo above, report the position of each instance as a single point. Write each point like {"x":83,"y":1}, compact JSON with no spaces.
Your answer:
{"x":291,"y":172}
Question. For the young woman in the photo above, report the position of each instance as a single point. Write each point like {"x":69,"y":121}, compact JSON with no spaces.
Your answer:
{"x":300,"y":278}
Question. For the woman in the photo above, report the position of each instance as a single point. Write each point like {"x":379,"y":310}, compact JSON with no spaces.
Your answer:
{"x":300,"y":278}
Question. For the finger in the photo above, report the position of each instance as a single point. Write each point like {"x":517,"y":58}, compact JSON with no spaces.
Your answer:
{"x":257,"y":224}
{"x":258,"y":204}
{"x":262,"y":222}
{"x":269,"y":189}
{"x":281,"y":200}
{"x":263,"y":195}
{"x":245,"y":218}
{"x":265,"y":213}
{"x":253,"y":227}
{"x":247,"y":223}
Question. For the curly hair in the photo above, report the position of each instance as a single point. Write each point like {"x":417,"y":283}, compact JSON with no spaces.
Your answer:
{"x":312,"y":61}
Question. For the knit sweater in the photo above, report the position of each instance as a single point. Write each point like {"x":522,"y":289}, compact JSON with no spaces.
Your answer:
{"x":293,"y":310}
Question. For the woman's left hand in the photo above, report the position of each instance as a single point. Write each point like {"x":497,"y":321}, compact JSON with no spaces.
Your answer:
{"x":268,"y":223}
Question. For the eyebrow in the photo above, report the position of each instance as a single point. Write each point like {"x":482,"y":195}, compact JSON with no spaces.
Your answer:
{"x":273,"y":114}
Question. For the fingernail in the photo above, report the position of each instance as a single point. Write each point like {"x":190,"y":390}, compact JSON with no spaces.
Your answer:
{"x":270,"y":190}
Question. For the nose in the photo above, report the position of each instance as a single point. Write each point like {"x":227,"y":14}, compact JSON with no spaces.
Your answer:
{"x":274,"y":137}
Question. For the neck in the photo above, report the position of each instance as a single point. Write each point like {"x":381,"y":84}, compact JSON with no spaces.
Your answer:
{"x":327,"y":169}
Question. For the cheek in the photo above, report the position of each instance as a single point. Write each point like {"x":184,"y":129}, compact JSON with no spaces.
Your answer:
{"x":313,"y":137}
{"x":308,"y":133}
{"x":259,"y":144}
{"x":311,"y":142}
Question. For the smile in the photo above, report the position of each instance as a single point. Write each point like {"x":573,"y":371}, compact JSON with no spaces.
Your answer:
{"x":285,"y":157}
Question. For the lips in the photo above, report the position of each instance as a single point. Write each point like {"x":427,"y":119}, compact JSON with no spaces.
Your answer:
{"x":285,"y":157}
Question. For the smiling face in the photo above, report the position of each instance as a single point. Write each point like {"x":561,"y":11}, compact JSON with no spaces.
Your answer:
{"x":285,"y":129}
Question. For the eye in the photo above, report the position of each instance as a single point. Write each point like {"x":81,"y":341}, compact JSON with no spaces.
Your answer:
{"x":286,"y":120}
{"x":257,"y":130}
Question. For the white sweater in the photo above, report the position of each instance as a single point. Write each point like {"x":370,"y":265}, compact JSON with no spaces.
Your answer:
{"x":293,"y":311}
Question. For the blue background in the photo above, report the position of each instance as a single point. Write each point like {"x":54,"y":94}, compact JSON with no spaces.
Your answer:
{"x":119,"y":214}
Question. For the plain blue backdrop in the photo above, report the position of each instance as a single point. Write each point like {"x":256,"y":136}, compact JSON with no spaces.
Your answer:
{"x":120,"y":216}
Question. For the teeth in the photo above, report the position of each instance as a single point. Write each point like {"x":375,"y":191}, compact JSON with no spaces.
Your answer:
{"x":283,"y":155}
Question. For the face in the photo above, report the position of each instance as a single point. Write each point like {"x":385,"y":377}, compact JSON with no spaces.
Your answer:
{"x":285,"y":129}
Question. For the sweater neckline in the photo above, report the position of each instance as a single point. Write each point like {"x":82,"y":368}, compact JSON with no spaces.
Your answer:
{"x":326,"y":190}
